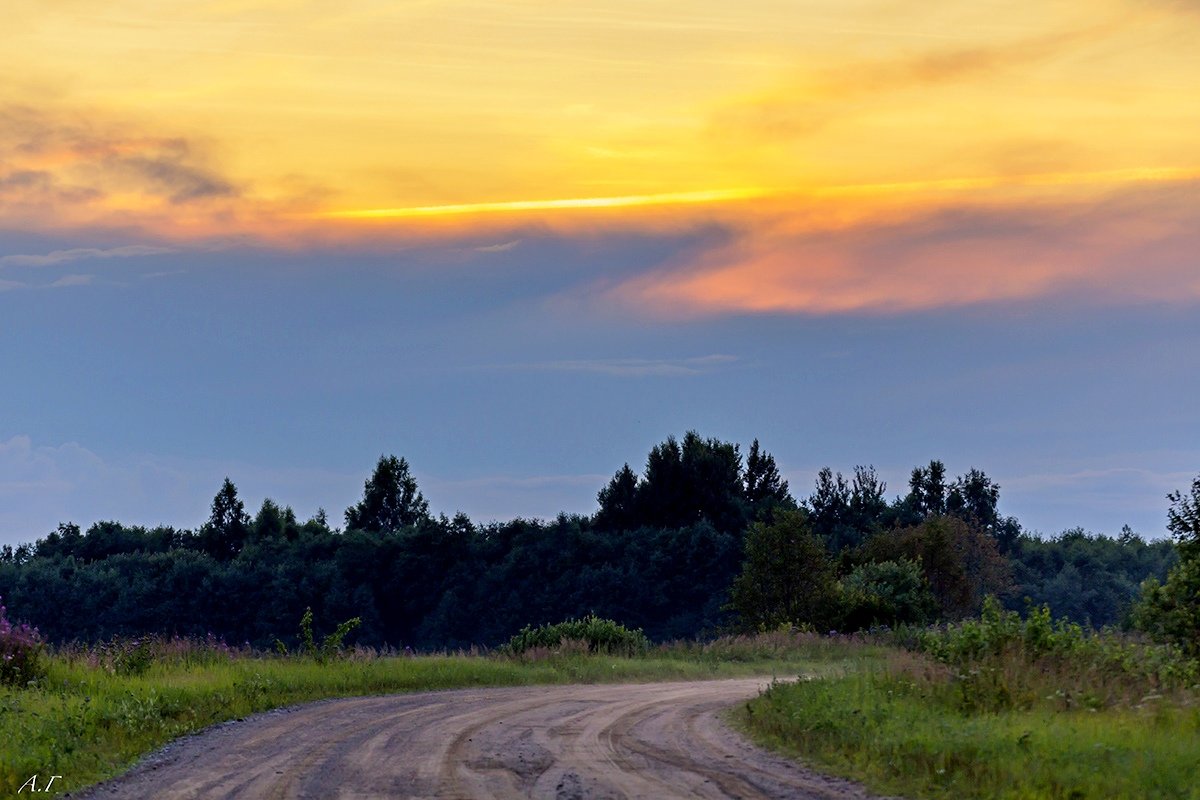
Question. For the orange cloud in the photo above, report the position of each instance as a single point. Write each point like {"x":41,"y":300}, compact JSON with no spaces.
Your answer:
{"x":1137,"y":245}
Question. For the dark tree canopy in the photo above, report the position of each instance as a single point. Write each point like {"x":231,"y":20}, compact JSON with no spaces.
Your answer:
{"x":391,"y":500}
{"x":662,"y":553}
{"x":273,"y":522}
{"x":975,"y":498}
{"x":683,"y":483}
{"x":829,"y":509}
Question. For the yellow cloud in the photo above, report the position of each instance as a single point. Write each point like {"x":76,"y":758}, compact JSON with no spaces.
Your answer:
{"x":278,"y":119}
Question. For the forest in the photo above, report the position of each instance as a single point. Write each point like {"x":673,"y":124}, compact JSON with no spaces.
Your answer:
{"x":703,"y":540}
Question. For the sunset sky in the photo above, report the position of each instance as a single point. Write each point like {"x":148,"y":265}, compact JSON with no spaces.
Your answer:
{"x":519,"y":243}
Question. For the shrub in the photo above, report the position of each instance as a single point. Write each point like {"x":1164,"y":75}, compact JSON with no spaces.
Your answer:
{"x":887,"y":593}
{"x":600,"y":635}
{"x":21,"y":649}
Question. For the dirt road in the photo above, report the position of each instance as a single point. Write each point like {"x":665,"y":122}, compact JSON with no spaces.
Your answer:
{"x":661,"y":740}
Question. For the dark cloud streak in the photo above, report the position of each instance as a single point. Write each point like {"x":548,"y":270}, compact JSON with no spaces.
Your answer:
{"x":60,"y":158}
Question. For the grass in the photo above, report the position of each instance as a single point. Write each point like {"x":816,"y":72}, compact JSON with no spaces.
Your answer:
{"x":896,"y":739}
{"x":96,"y":712}
{"x":999,"y":708}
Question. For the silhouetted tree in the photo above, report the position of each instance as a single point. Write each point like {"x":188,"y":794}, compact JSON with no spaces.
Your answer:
{"x":273,"y":522}
{"x":619,"y":502}
{"x":391,"y":500}
{"x":1183,"y":520}
{"x":683,"y":483}
{"x":223,"y":536}
{"x":829,"y":510}
{"x":975,"y":498}
{"x":927,"y":490}
{"x":765,"y":489}
{"x":867,"y":503}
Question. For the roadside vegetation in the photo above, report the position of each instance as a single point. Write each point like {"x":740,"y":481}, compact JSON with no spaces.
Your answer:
{"x":1000,"y":708}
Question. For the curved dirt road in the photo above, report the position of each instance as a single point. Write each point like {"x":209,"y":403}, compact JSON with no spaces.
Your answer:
{"x":657,"y":741}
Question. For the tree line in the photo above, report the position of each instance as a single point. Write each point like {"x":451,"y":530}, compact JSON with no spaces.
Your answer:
{"x":701,"y":539}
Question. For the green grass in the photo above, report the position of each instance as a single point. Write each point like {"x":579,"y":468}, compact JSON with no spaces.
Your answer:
{"x":913,"y":737}
{"x":87,"y":722}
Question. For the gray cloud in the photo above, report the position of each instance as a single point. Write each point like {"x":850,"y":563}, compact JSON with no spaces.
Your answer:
{"x":71,"y":280}
{"x":65,"y":282}
{"x":635,"y":367}
{"x":80,"y":253}
{"x":502,"y":247}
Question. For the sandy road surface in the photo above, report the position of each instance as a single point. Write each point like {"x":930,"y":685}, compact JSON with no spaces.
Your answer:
{"x":661,"y":740}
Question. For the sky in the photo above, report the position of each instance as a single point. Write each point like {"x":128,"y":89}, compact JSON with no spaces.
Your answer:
{"x":520,"y":243}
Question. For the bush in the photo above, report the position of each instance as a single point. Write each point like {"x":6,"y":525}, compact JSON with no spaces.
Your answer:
{"x":887,"y":593}
{"x":21,"y":649}
{"x":600,"y":635}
